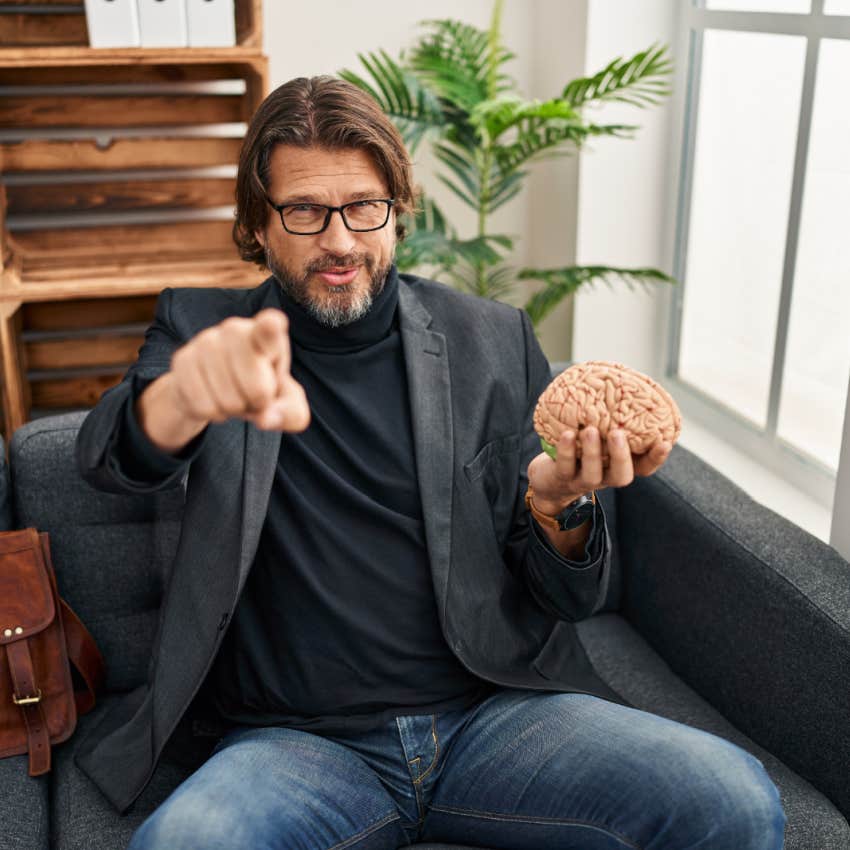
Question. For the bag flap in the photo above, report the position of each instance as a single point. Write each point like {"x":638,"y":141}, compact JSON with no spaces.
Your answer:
{"x":26,"y":600}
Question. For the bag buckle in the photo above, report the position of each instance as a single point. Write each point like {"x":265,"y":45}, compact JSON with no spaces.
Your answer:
{"x":27,"y":700}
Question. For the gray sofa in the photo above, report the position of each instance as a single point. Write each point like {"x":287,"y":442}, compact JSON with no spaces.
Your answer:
{"x":721,"y":615}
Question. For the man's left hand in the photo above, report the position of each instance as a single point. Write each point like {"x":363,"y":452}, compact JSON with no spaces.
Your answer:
{"x":558,"y":482}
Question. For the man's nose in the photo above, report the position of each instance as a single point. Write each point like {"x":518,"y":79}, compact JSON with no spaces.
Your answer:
{"x":337,"y":238}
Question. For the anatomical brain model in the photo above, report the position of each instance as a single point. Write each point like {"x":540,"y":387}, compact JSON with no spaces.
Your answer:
{"x":607,"y":396}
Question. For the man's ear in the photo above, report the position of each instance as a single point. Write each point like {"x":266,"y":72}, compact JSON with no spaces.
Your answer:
{"x":260,"y":236}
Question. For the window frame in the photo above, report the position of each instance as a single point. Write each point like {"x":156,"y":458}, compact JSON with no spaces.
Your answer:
{"x":764,"y":445}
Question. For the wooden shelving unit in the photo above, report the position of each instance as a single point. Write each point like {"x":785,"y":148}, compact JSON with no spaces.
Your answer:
{"x":114,"y":171}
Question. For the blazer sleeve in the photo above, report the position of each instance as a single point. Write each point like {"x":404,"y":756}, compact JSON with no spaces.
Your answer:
{"x":570,"y":590}
{"x":112,"y":451}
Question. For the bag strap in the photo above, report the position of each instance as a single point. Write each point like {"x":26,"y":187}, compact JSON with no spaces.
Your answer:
{"x":27,"y":697}
{"x":82,"y":650}
{"x":84,"y":655}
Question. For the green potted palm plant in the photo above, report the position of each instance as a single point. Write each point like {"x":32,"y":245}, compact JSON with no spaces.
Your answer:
{"x":451,"y":89}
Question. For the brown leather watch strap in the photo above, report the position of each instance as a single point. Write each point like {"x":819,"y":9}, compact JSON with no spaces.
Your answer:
{"x":545,"y":520}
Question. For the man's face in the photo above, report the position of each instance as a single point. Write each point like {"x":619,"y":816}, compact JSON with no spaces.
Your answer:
{"x":335,"y":274}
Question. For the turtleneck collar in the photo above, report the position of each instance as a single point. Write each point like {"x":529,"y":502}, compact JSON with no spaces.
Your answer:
{"x":311,"y":334}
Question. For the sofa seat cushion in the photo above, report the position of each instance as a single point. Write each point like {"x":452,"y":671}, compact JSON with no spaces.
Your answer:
{"x":23,"y":806}
{"x":81,"y":817}
{"x":626,"y":662}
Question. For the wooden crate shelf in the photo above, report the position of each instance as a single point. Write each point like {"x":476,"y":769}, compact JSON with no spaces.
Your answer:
{"x":111,"y":189}
{"x":41,"y":28}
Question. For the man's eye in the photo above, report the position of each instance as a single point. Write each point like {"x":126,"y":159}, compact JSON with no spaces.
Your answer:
{"x":304,"y":208}
{"x":364,"y":204}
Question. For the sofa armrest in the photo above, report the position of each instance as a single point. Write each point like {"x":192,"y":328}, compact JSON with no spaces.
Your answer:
{"x":749,"y":609}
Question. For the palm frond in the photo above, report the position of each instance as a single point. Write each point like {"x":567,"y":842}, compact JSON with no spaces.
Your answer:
{"x":458,"y":62}
{"x":429,"y":238}
{"x":486,"y":282}
{"x":504,"y":187}
{"x":532,"y":141}
{"x":411,"y":105}
{"x":638,"y":81}
{"x":495,"y":116}
{"x":461,"y":165}
{"x":424,"y":248}
{"x":481,"y":250}
{"x":559,"y":283}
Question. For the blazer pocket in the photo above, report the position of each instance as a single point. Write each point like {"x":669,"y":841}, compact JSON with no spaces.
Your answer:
{"x":492,"y":450}
{"x":493,"y":473}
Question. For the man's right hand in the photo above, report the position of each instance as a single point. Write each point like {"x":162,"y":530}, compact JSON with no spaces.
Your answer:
{"x":238,"y":368}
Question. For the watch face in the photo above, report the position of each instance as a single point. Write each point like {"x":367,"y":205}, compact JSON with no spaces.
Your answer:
{"x":575,"y":514}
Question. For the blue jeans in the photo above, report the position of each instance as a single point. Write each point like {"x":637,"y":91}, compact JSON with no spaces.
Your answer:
{"x":520,"y":770}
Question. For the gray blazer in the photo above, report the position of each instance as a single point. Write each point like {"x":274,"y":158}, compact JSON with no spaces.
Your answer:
{"x":506,"y":600}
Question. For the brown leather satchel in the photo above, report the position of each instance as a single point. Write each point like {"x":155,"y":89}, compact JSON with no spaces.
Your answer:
{"x":39,"y":633}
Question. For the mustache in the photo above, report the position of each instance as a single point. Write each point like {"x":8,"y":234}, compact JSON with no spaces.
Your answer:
{"x":329,"y":261}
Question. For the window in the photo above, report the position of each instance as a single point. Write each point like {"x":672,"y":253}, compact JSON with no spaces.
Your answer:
{"x":760,"y":347}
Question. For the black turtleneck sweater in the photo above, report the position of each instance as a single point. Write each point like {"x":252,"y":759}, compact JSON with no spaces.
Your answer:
{"x":337,"y":628}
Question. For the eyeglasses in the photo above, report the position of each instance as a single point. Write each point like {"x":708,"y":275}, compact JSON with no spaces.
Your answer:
{"x":357,"y":216}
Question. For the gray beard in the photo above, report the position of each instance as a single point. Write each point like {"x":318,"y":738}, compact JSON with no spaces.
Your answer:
{"x":340,"y":309}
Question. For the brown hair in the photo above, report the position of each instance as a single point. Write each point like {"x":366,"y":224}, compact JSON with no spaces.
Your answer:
{"x":317,"y":112}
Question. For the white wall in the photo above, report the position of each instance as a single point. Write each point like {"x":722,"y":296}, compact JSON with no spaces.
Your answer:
{"x":624,"y":196}
{"x":560,"y":31}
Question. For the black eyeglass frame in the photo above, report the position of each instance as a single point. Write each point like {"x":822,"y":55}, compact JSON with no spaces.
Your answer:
{"x":390,"y":202}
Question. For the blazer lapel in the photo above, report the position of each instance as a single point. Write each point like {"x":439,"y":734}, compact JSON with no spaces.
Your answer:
{"x":429,"y":387}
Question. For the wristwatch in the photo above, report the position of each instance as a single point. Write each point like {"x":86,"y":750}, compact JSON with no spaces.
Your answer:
{"x":576,"y":513}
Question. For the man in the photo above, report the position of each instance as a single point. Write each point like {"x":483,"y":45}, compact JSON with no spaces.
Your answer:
{"x":360,"y":597}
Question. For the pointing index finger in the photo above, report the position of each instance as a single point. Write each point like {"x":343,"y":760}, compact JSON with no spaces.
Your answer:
{"x":269,"y":335}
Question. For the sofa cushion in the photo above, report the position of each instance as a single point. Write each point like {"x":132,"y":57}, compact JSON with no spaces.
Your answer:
{"x":626,"y":662}
{"x":111,"y":553}
{"x":81,"y":817}
{"x":23,"y":806}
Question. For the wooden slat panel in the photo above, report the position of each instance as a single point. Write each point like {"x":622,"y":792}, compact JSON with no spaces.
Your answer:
{"x":121,"y":195}
{"x":30,"y":30}
{"x":200,"y":238}
{"x":79,"y":352}
{"x":75,"y":154}
{"x":119,"y":110}
{"x":100,"y":68}
{"x":45,"y":3}
{"x":87,"y":313}
{"x":131,"y":278}
{"x":82,"y":391}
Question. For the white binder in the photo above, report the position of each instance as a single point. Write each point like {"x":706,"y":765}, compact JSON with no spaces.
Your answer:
{"x":212,"y":23}
{"x":163,"y":23}
{"x":112,"y":23}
